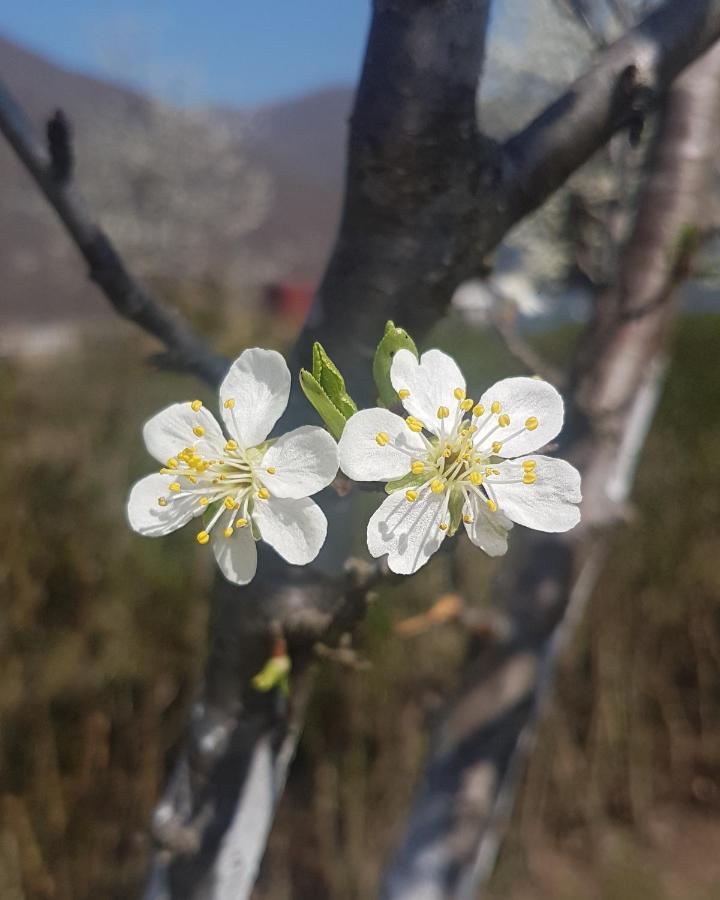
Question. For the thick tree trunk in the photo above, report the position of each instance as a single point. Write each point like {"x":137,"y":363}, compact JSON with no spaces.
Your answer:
{"x":466,"y":795}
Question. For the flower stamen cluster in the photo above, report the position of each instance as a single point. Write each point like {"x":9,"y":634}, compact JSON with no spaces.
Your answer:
{"x":245,"y":486}
{"x":456,"y":461}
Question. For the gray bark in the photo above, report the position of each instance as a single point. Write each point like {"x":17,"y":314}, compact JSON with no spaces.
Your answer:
{"x":465,"y":799}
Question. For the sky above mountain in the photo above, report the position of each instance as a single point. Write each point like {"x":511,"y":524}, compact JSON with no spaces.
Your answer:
{"x":187,"y":51}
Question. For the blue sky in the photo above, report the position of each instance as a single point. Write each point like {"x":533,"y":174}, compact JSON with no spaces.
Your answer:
{"x":237,"y":52}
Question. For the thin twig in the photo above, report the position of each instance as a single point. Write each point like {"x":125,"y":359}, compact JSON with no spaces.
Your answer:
{"x":52,"y":173}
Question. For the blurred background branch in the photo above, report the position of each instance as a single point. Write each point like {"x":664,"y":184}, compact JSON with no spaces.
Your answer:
{"x":52,"y":170}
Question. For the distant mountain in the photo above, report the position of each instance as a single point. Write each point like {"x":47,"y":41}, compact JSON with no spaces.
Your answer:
{"x":242,"y":195}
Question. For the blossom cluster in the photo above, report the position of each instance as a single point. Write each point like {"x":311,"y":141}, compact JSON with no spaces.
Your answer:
{"x":449,"y":461}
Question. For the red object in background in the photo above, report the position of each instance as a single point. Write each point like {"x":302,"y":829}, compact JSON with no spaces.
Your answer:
{"x":288,"y":301}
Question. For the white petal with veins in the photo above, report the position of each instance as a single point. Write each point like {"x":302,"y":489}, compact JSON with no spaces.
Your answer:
{"x":304,"y":462}
{"x":523,"y":399}
{"x":431,"y":383}
{"x":487,"y":530}
{"x":171,"y":430}
{"x":236,"y":556}
{"x":408,"y":532}
{"x":148,"y":517}
{"x":364,"y":459}
{"x":550,"y":503}
{"x":258,"y":387}
{"x":295,"y":528}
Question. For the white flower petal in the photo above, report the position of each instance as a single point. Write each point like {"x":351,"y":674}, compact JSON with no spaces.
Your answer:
{"x":522,"y":399}
{"x":431,"y":382}
{"x":258,"y":384}
{"x":408,"y":532}
{"x":171,"y":430}
{"x":305,"y":461}
{"x":362,"y":458}
{"x":547,"y":505}
{"x":295,"y":528}
{"x":145,"y":514}
{"x":488,"y":530}
{"x":236,"y":555}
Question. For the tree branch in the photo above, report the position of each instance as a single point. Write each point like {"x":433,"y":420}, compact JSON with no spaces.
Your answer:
{"x":463,"y":805}
{"x":632,"y":73}
{"x":52,"y":172}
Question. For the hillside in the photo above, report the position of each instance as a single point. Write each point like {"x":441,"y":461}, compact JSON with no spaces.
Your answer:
{"x":242,"y":195}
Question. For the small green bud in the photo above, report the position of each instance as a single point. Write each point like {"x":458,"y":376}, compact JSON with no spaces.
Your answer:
{"x":393,"y":339}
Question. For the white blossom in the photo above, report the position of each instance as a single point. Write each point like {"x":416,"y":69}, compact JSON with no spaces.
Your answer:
{"x":454,"y":460}
{"x":248,"y":488}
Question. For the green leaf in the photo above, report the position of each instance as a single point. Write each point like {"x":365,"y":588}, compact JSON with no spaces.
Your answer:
{"x":327,"y":374}
{"x":331,"y":416}
{"x":393,"y":339}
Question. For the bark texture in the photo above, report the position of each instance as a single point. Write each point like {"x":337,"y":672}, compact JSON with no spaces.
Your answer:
{"x":464,"y":801}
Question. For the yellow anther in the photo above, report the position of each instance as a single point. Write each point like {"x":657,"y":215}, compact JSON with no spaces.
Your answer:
{"x":229,"y":503}
{"x":202,"y":537}
{"x":271,"y":470}
{"x":228,"y":532}
{"x":403,"y":393}
{"x":203,"y":501}
{"x":417,"y":467}
{"x":414,"y":424}
{"x":198,"y":431}
{"x":192,"y":479}
{"x":231,"y":445}
{"x":529,"y":478}
{"x":495,"y":407}
{"x":478,"y":410}
{"x":175,"y":487}
{"x":529,"y":465}
{"x":263,"y":493}
{"x":491,"y":505}
{"x":476,"y":478}
{"x":447,"y":453}
{"x":437,"y":486}
{"x":202,"y":466}
{"x":464,"y":432}
{"x":411,"y":496}
{"x":229,"y":403}
{"x":172,"y":463}
{"x":466,"y":404}
{"x":504,"y":420}
{"x":382,"y":438}
{"x":467,"y":519}
{"x":162,"y":501}
{"x":531,"y":424}
{"x":443,"y":412}
{"x":196,"y":405}
{"x":459,"y":394}
{"x":240,"y":523}
{"x":443,"y":526}
{"x":496,"y":447}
